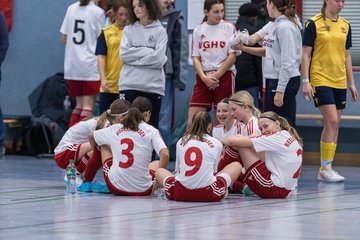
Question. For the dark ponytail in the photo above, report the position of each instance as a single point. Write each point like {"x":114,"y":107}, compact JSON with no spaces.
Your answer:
{"x":84,"y":2}
{"x":208,"y":4}
{"x":118,"y":107}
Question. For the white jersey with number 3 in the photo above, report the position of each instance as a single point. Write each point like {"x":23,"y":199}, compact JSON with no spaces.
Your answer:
{"x":283,"y":157}
{"x":82,"y":26}
{"x":132,"y":153}
{"x":196,"y":161}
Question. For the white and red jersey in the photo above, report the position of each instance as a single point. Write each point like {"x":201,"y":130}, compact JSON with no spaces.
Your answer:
{"x":196,"y":161}
{"x":77,"y":134}
{"x":211,"y":43}
{"x":283,"y":157}
{"x":250,"y":128}
{"x":132,"y":151}
{"x":82,"y":26}
{"x":219,"y":133}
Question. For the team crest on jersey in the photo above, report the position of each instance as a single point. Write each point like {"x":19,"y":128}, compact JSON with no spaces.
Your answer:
{"x":151,"y":39}
{"x":270,"y":42}
{"x":343,"y":30}
{"x":211,"y":44}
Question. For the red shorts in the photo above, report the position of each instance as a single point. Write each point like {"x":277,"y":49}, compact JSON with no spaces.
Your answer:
{"x":114,"y":190}
{"x":257,"y":177}
{"x":174,"y":190}
{"x":83,"y":88}
{"x":230,"y":155}
{"x":203,"y":97}
{"x":62,"y":159}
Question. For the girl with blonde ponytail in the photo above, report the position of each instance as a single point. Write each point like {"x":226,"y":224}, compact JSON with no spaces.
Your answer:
{"x":273,"y":160}
{"x":246,"y":115}
{"x":196,"y":160}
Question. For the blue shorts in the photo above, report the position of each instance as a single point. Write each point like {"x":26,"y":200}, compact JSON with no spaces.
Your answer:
{"x":329,"y":96}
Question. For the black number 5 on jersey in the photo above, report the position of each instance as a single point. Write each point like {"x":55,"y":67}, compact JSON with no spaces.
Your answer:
{"x":78,"y":29}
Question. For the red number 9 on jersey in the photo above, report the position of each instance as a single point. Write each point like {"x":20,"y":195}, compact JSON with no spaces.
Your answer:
{"x":196,"y":163}
{"x":127,"y":153}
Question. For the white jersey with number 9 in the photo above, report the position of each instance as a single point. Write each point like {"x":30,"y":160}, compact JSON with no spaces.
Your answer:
{"x":196,"y":161}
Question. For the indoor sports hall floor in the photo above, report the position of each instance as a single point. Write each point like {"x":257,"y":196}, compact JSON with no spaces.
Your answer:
{"x":33,"y":205}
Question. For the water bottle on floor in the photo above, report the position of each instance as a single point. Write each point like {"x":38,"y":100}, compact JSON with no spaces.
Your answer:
{"x":71,"y":178}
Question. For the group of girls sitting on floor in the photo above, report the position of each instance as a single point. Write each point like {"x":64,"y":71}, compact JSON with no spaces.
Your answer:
{"x":249,"y":150}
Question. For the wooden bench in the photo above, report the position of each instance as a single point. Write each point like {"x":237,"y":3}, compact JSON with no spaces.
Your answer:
{"x":319,"y":117}
{"x":341,"y":158}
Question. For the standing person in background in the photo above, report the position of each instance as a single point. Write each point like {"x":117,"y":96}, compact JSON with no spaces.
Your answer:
{"x":263,"y":17}
{"x":107,"y":51}
{"x":176,"y":65}
{"x":326,"y":67}
{"x":213,"y":60}
{"x":143,"y":52}
{"x":80,"y":29}
{"x":4,"y":45}
{"x":248,"y":66}
{"x":282,"y":59}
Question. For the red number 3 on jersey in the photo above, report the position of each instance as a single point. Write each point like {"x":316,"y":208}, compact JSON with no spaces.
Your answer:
{"x":127,"y":152}
{"x":196,"y":163}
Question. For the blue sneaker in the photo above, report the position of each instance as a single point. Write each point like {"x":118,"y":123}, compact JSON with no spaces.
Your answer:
{"x":247,"y":191}
{"x":85,"y":187}
{"x":100,"y":187}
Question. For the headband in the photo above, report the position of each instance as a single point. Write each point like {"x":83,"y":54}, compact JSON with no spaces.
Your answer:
{"x":115,"y":115}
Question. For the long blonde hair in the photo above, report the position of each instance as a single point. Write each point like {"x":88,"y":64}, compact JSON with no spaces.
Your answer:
{"x":243,"y":98}
{"x":284,"y":124}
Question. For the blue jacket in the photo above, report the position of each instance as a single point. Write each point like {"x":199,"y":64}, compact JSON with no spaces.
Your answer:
{"x":177,"y":48}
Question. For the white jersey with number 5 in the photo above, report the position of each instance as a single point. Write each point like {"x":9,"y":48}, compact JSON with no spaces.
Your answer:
{"x":131,"y":155}
{"x":283,"y":157}
{"x":196,"y":161}
{"x":82,"y":25}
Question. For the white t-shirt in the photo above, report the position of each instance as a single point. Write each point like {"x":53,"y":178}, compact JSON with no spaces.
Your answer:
{"x":196,"y":161}
{"x":131,"y":155}
{"x":82,"y":25}
{"x":250,"y":128}
{"x":283,"y":157}
{"x":77,"y":134}
{"x":219,"y":133}
{"x":264,"y":34}
{"x":211,"y":43}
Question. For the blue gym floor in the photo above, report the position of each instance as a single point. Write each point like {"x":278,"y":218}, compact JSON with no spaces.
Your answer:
{"x":34,"y":205}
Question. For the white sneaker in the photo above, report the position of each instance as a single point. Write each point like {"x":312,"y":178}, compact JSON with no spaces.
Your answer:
{"x":330,"y":175}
